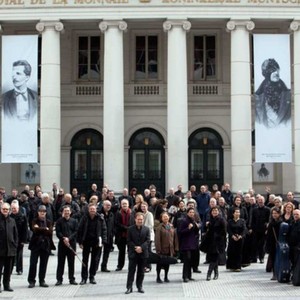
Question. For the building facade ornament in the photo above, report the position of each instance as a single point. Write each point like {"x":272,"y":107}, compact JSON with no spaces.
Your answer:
{"x":103,"y":26}
{"x":186,"y":25}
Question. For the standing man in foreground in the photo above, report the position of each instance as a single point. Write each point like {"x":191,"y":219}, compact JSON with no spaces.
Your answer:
{"x":41,"y":244}
{"x":8,"y":245}
{"x":91,"y":235}
{"x":66,"y":231}
{"x":138,"y":240}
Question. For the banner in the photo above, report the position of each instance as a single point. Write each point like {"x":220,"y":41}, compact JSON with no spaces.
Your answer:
{"x":19,"y":99}
{"x":272,"y":85}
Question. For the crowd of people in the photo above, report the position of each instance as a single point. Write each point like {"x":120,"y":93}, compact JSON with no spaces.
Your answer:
{"x":232,"y":229}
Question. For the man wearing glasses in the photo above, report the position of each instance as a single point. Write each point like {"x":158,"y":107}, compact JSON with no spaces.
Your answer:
{"x":8,"y":245}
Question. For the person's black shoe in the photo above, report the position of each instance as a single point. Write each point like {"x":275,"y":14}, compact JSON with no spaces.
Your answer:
{"x":31,"y":285}
{"x":118,"y":269}
{"x":128,"y":291}
{"x":197,"y":271}
{"x":191,"y":279}
{"x":140,"y":290}
{"x":185,"y":280}
{"x":261,"y":261}
{"x":44,"y":284}
{"x":19,"y":273}
{"x":58,"y":282}
{"x":93,"y":281}
{"x":8,"y":288}
{"x":166,"y":280}
{"x":73,"y":282}
{"x":208,"y":278}
{"x":105,"y":270}
{"x":158,"y":280}
{"x":82,"y":282}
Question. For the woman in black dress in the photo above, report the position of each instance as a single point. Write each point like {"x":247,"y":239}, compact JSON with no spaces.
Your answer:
{"x":216,"y":240}
{"x":236,"y":234}
{"x":272,"y":237}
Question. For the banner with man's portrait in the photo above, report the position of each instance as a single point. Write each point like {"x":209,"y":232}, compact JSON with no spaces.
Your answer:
{"x":19,"y":98}
{"x":272,"y":94}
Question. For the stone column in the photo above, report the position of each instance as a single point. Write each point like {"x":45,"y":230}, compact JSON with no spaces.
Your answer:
{"x":50,"y":107}
{"x":177,"y":103}
{"x":113,"y":111}
{"x":295,"y":26}
{"x":241,"y":148}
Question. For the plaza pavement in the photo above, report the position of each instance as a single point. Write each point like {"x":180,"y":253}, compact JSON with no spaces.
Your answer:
{"x":252,"y":283}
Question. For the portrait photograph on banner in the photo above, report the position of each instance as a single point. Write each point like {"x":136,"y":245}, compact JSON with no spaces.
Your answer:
{"x":19,"y":98}
{"x":272,"y":93}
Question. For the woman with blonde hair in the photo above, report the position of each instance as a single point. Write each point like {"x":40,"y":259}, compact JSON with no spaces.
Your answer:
{"x":287,"y":215}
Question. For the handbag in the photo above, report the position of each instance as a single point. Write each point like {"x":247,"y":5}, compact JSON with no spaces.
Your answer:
{"x":204,"y":245}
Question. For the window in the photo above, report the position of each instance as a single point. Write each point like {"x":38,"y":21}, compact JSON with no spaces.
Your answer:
{"x":204,"y":63}
{"x":89,"y":58}
{"x":146,"y":57}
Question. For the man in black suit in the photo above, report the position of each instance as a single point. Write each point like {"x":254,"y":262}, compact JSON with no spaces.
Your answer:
{"x":20,"y":103}
{"x":138,"y":240}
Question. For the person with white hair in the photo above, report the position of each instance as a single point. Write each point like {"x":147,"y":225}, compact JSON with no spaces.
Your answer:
{"x":22,"y":227}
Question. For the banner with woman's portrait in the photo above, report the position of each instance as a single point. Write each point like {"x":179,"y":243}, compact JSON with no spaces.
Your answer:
{"x":19,"y":98}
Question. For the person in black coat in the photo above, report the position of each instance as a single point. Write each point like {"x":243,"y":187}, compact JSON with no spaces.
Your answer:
{"x":294,"y":239}
{"x":259,"y":220}
{"x":236,"y":233}
{"x":216,"y":239}
{"x":40,"y":245}
{"x":272,"y":237}
{"x":189,"y":243}
{"x":91,"y":235}
{"x":22,"y":226}
{"x":138,"y":241}
{"x":122,"y":220}
{"x":109,"y":219}
{"x":8,"y":245}
{"x":66,"y":232}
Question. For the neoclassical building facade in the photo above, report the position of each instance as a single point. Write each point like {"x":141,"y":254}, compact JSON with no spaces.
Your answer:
{"x":139,"y":92}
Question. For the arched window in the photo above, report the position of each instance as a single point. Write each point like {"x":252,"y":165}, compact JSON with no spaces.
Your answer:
{"x":205,"y":157}
{"x":147,"y":160}
{"x":86,"y":159}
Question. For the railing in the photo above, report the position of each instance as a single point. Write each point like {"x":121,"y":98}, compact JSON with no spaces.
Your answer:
{"x":88,"y":90}
{"x":204,"y":89}
{"x":149,"y":89}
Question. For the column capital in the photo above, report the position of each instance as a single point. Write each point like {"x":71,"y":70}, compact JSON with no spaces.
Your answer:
{"x":186,"y":25}
{"x":295,"y":25}
{"x":233,"y":24}
{"x":57,"y":25}
{"x":104,"y":25}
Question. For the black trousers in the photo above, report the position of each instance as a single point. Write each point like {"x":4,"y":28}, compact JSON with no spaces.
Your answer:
{"x":6,"y":263}
{"x":139,"y":263}
{"x":189,"y":257}
{"x":19,"y":258}
{"x":94,"y":251}
{"x":34,"y":257}
{"x":122,"y":243}
{"x":63,"y":253}
{"x":106,"y":251}
{"x":196,"y":259}
{"x":259,"y":245}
